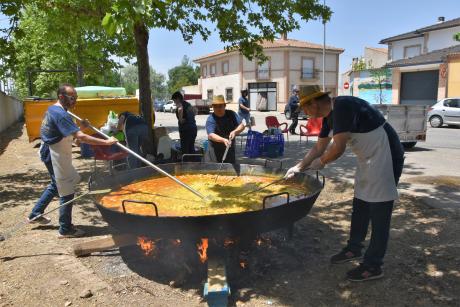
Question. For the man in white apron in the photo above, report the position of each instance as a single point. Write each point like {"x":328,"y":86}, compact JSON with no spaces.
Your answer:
{"x":352,"y":121}
{"x":57,"y":132}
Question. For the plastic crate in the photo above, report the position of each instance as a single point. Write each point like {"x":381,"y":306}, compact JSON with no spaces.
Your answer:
{"x":273,"y":145}
{"x":254,"y":144}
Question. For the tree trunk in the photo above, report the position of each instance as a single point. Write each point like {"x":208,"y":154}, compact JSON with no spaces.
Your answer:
{"x":141,"y":35}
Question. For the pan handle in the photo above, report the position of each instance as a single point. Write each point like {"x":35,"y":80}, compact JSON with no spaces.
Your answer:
{"x":192,"y":155}
{"x":272,"y":160}
{"x":274,"y":195}
{"x":139,"y":202}
{"x":324,"y":178}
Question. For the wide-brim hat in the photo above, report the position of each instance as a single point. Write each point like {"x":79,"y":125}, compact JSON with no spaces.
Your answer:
{"x":309,"y":92}
{"x":218,"y":100}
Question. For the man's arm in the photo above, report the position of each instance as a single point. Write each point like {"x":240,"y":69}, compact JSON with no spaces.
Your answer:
{"x":337,"y":148}
{"x":315,"y":152}
{"x":218,"y":139}
{"x":84,"y":138}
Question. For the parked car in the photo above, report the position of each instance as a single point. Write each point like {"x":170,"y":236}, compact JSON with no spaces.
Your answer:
{"x":287,"y":112}
{"x":159,"y":105}
{"x":170,"y":106}
{"x":445,"y":111}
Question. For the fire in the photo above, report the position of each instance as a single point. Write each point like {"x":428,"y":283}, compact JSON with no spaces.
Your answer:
{"x":203,"y":250}
{"x":243,"y":264}
{"x":148,"y":246}
{"x":228,"y":242}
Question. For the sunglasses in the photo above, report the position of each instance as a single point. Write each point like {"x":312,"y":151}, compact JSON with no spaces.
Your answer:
{"x":71,"y":98}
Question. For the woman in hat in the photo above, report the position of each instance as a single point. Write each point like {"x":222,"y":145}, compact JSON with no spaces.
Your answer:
{"x":222,"y":127}
{"x":380,"y":156}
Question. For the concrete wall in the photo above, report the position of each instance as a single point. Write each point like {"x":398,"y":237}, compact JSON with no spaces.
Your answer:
{"x":377,"y":58}
{"x":442,"y":39}
{"x":11,"y":111}
{"x":219,"y":84}
{"x":192,"y":89}
{"x":398,"y":47}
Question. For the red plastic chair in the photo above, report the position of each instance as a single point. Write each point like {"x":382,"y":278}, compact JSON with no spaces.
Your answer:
{"x":312,"y":128}
{"x":106,"y":153}
{"x":272,"y":121}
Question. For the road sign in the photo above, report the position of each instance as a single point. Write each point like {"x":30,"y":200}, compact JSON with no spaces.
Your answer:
{"x":346,"y":85}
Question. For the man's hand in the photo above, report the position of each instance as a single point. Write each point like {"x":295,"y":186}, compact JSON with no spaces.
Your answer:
{"x":227,"y":143}
{"x":232,"y":135}
{"x":291,"y":172}
{"x":317,"y":165}
{"x":111,"y":140}
{"x":84,"y":123}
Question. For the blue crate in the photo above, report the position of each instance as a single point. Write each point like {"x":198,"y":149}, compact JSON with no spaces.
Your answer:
{"x":273,"y":145}
{"x":254,"y":144}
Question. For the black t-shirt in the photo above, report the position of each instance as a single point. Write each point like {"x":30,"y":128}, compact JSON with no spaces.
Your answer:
{"x":351,"y":114}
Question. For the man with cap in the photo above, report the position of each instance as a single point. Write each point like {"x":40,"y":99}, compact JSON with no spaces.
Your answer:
{"x":244,"y":108}
{"x":294,"y":107}
{"x":187,"y":124}
{"x":352,"y":121}
{"x":222,"y":127}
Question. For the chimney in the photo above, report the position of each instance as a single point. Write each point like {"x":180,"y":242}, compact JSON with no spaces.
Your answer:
{"x":441,"y":19}
{"x":284,"y":36}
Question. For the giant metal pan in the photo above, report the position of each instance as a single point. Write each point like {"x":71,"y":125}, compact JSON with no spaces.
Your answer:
{"x":287,"y":210}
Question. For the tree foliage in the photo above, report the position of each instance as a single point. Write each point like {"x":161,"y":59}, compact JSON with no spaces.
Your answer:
{"x":380,"y":76}
{"x":457,"y":36}
{"x":183,"y":75}
{"x":130,"y":81}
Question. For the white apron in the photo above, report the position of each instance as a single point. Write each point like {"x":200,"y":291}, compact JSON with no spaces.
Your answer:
{"x":374,"y":179}
{"x":64,"y":172}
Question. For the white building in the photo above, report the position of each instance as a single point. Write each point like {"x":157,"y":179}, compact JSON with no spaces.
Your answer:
{"x":291,"y":62}
{"x":425,"y":63}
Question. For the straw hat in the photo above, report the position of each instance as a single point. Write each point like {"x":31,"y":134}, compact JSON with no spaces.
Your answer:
{"x":219,"y":99}
{"x":309,"y":92}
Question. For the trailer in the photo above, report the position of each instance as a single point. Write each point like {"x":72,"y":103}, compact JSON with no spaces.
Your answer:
{"x":409,"y":121}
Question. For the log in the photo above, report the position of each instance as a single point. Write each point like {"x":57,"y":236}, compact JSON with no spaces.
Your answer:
{"x":99,"y":245}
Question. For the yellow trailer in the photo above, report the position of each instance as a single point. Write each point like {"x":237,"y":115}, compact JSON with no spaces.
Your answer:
{"x":94,"y":109}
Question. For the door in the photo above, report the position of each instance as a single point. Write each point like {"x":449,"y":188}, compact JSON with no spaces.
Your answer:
{"x":262,"y":96}
{"x":420,"y":88}
{"x":452,"y":111}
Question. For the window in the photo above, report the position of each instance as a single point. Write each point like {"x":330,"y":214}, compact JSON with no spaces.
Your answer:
{"x":229,"y":94}
{"x":210,"y":94}
{"x":212,"y":69}
{"x":308,"y":68}
{"x":263,"y":71}
{"x":225,"y":67}
{"x":204,"y":71}
{"x":411,"y":51}
{"x":452,"y":103}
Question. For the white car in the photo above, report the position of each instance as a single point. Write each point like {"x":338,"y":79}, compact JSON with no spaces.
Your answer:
{"x":170,"y":106}
{"x":445,"y":111}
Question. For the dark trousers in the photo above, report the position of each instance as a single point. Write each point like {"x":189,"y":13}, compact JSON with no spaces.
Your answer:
{"x":187,"y":141}
{"x":51,"y":191}
{"x":378,"y":213}
{"x":294,"y":118}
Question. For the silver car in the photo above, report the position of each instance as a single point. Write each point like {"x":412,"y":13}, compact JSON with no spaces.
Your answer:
{"x":446,"y":111}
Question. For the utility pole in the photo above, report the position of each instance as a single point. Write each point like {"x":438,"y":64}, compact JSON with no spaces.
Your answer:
{"x":324,"y":50}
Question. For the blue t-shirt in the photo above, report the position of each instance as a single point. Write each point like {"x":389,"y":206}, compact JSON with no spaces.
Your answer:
{"x":293,"y":101}
{"x":56,"y":125}
{"x":211,"y":123}
{"x":244,"y":102}
{"x":351,"y":114}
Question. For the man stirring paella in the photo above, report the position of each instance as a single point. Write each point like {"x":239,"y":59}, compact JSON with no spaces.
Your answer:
{"x":352,"y":121}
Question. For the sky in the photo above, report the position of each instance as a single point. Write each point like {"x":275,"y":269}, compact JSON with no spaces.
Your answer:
{"x":354,"y":24}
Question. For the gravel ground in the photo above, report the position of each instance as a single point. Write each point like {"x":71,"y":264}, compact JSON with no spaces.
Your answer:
{"x":421,"y":267}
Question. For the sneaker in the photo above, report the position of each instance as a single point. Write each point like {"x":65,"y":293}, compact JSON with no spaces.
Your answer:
{"x":344,"y":256}
{"x":364,"y":272}
{"x":42,"y":220}
{"x":74,"y":233}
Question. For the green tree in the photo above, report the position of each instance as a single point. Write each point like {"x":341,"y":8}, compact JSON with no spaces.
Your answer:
{"x":241,"y":25}
{"x":130,"y":80}
{"x":380,"y":76}
{"x":457,"y":36}
{"x":183,"y":75}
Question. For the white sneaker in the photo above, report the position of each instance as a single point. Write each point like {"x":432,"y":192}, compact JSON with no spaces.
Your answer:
{"x":42,"y":220}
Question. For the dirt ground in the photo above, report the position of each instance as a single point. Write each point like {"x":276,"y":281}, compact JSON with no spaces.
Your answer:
{"x":36,"y":269}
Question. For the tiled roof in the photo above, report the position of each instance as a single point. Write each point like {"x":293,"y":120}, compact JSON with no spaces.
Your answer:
{"x":280,"y":43}
{"x":435,"y":56}
{"x":419,"y":32}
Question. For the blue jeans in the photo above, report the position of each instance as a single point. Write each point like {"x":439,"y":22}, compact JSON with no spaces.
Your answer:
{"x":65,"y":213}
{"x":246,"y":117}
{"x":135,"y":137}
